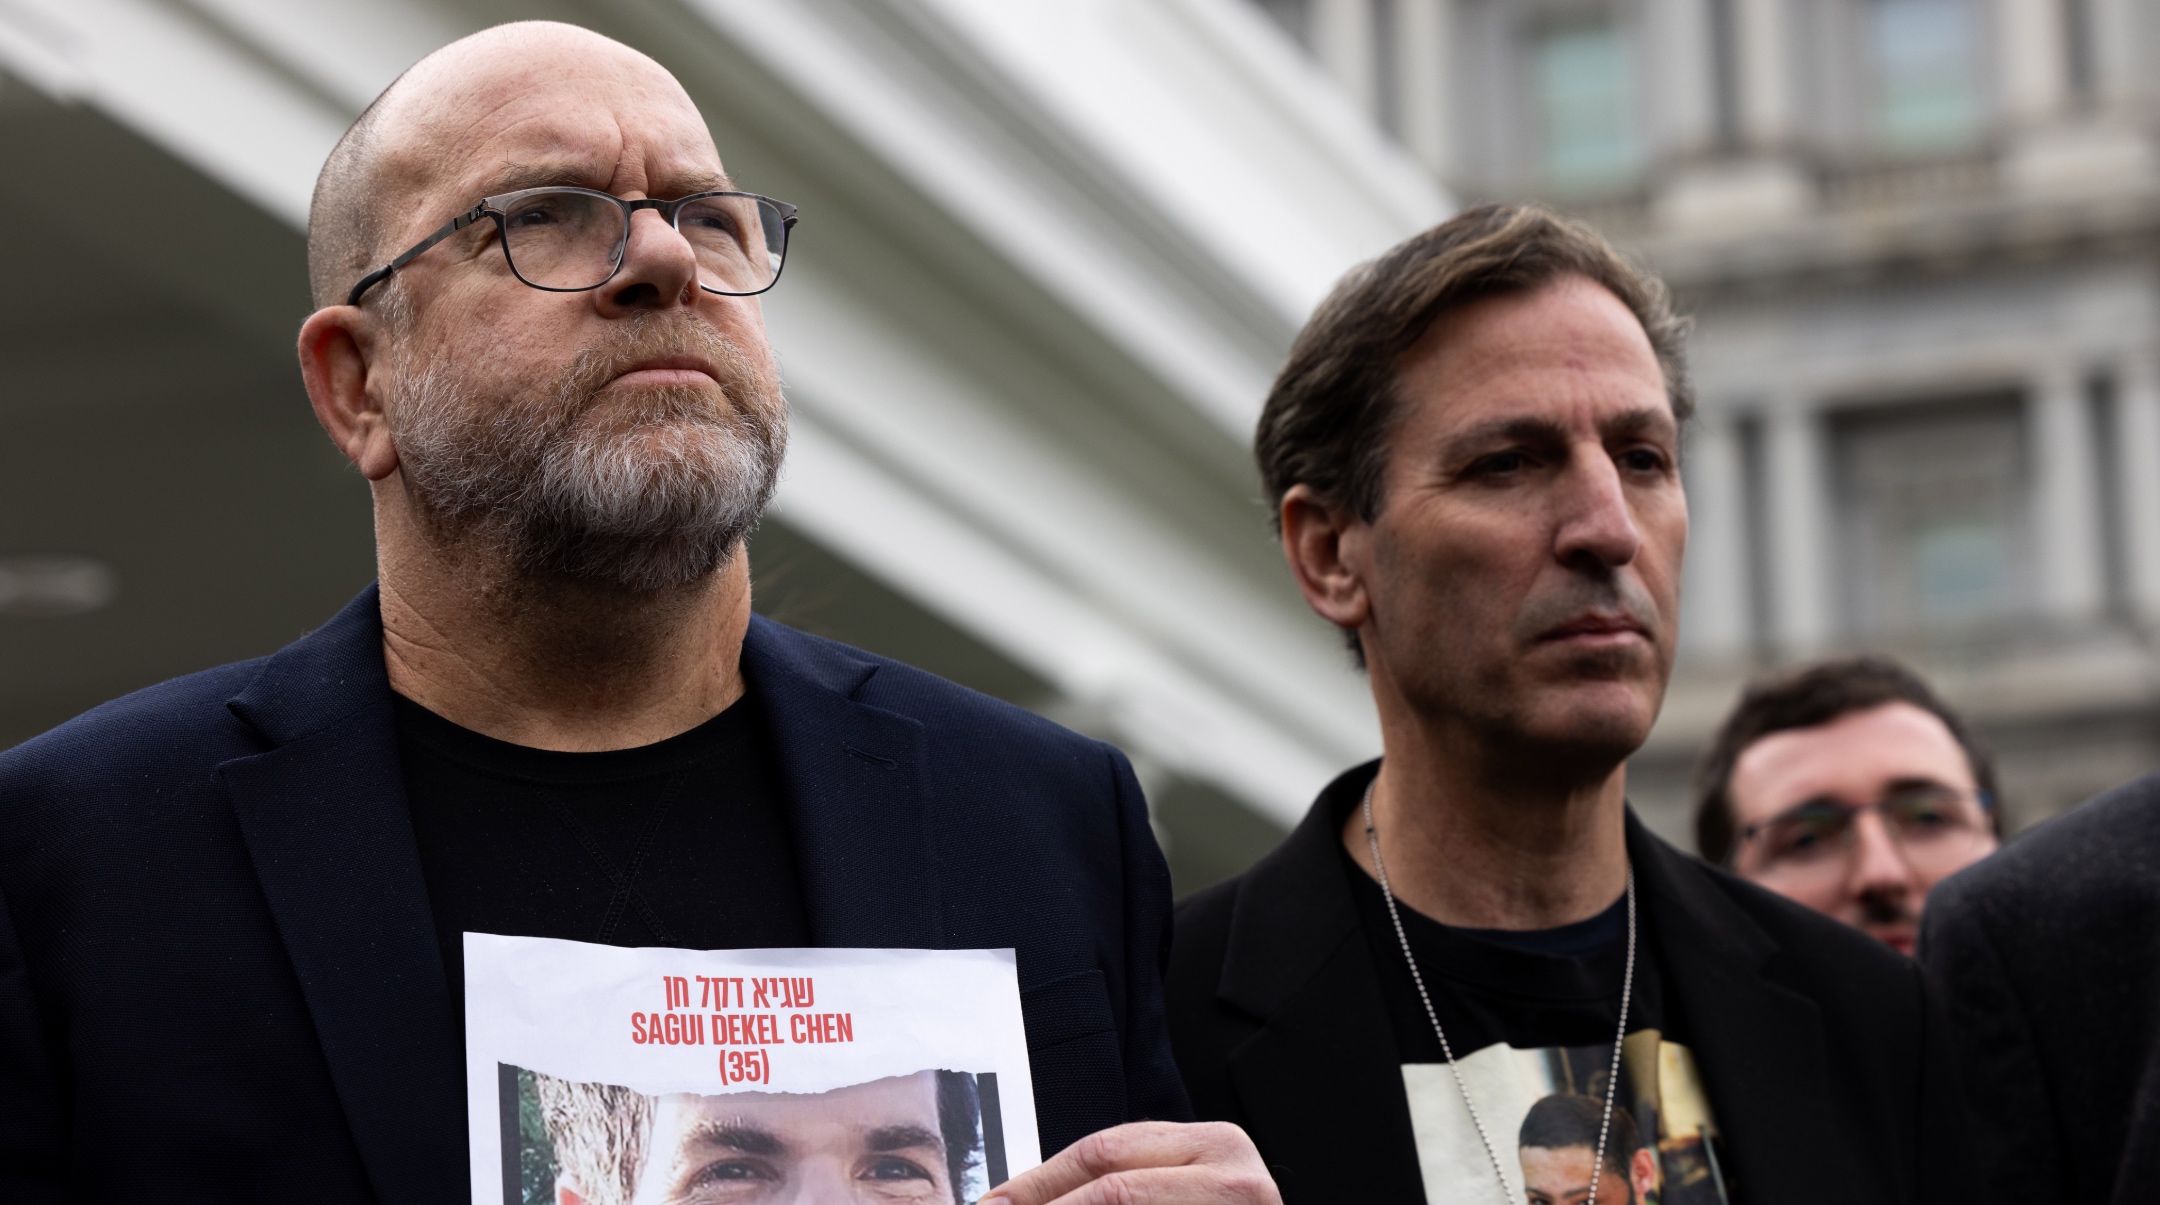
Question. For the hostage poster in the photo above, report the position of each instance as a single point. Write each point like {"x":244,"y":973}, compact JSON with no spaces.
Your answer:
{"x":597,"y":1075}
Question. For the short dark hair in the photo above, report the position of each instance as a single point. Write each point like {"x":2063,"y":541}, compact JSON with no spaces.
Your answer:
{"x":1567,"y":1119}
{"x":1327,"y":418}
{"x":1804,"y":698}
{"x":959,"y":1110}
{"x":346,"y":220}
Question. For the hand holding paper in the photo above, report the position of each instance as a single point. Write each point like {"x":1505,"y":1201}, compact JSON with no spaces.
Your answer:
{"x":1148,"y":1163}
{"x":599,"y":1075}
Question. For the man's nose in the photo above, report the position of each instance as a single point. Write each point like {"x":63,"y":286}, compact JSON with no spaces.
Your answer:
{"x":1597,"y":526}
{"x":1879,"y":867}
{"x":659,"y":270}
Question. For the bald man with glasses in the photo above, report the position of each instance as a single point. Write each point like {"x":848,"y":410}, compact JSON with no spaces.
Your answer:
{"x":232,"y":905}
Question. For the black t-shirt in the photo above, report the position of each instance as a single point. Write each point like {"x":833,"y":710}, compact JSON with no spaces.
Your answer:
{"x":1531,"y":1016}
{"x":1529,"y":989}
{"x":680,"y":843}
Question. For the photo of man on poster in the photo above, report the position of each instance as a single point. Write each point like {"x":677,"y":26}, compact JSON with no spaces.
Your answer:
{"x":915,"y":1138}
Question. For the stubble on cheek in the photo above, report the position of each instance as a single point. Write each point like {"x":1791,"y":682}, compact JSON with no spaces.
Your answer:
{"x":1444,"y":630}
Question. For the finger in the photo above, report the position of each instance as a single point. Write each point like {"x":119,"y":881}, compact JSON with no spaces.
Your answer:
{"x":1135,"y":1145}
{"x":1198,"y":1184}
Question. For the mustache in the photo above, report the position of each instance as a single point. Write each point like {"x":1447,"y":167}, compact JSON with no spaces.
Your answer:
{"x":1611,"y":594}
{"x":647,"y":337}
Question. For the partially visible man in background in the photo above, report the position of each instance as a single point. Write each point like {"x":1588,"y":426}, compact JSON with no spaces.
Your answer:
{"x":1848,"y":786}
{"x":2049,"y":957}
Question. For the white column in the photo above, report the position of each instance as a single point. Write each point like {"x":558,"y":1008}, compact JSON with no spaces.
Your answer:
{"x":2122,"y":46}
{"x":1682,"y":71}
{"x":1763,"y":45}
{"x":1345,"y":42}
{"x":1714,"y":620}
{"x":2033,"y":59}
{"x":1424,"y":70}
{"x":1797,"y":472}
{"x":2137,"y":466}
{"x":2066,"y":515}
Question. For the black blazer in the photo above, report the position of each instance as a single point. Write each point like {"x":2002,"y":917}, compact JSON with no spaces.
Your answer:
{"x":219,"y":978}
{"x":2048,"y":955}
{"x":1821,"y":1049}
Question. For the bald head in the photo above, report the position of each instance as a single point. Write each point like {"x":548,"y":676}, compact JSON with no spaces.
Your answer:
{"x":464,"y":118}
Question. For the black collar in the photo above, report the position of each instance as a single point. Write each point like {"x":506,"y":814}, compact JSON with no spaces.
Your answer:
{"x":1322,"y":1086}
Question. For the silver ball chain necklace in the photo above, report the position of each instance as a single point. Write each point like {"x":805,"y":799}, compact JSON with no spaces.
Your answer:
{"x":1627,"y":985}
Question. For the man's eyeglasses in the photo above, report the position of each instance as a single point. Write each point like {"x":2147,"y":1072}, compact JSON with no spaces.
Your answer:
{"x":568,"y":240}
{"x":1934,"y":826}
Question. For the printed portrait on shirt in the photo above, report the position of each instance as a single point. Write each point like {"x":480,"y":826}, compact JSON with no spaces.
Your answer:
{"x":902,"y":1140}
{"x":1558,"y":1147}
{"x":1544,"y":1108}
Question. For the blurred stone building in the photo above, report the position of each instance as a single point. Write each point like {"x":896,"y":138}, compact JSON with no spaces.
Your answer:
{"x":1050,"y":256}
{"x":1919,"y":238}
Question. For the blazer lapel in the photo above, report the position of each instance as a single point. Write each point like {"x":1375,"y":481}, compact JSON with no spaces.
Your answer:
{"x":1759,"y":1045}
{"x":853,"y":775}
{"x":1321,"y":1083}
{"x":323,"y":815}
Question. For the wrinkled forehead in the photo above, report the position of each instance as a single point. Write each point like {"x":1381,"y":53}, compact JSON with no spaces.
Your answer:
{"x":598,"y":117}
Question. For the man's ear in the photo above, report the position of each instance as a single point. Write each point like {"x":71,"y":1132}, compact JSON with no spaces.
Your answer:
{"x":1329,"y":550}
{"x":566,"y":1191}
{"x":1645,"y":1168}
{"x":335,"y":360}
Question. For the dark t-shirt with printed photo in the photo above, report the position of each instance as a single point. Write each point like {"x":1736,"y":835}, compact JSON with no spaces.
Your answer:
{"x":1531,"y":1018}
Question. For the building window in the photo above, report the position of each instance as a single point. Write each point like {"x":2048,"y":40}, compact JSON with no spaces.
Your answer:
{"x":1932,"y":518}
{"x":1584,"y":74}
{"x":1927,"y":95}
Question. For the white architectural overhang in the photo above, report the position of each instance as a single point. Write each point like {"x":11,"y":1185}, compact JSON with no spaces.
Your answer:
{"x":1051,"y":255}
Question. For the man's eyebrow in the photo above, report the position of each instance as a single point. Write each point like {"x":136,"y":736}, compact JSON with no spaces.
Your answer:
{"x":515,"y":176}
{"x":1917,"y":782}
{"x":1538,"y":429}
{"x":1641,"y":419}
{"x":1526,"y":429}
{"x":707,"y":182}
{"x":738,"y":1136}
{"x":901,"y":1138}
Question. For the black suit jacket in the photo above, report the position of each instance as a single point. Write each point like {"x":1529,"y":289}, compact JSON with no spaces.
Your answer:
{"x":2048,"y":955}
{"x":1821,"y":1050}
{"x":220,"y":981}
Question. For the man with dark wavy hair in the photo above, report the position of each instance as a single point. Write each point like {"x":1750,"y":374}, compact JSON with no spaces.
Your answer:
{"x":1473,"y":456}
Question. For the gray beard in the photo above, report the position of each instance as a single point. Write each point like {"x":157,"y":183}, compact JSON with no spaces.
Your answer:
{"x":653,"y":491}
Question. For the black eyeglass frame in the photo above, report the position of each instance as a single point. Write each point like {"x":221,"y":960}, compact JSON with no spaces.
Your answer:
{"x":492,"y":207}
{"x":1852,"y":811}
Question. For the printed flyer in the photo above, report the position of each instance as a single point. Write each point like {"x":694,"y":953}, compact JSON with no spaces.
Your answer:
{"x":597,"y":1075}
